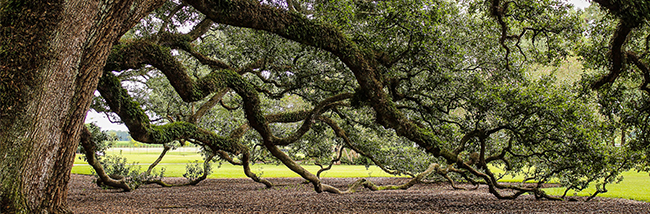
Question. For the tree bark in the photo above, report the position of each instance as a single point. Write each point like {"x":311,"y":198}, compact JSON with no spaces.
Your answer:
{"x":51,"y":57}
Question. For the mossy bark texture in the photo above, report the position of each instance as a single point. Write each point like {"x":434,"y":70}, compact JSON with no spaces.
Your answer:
{"x":51,"y":56}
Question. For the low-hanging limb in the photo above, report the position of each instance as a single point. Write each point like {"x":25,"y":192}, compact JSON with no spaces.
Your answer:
{"x":166,"y":148}
{"x":445,"y":173}
{"x":465,"y":176}
{"x":493,"y":186}
{"x":295,"y":167}
{"x":432,"y":167}
{"x":373,"y":187}
{"x":104,"y":179}
{"x":604,"y":189}
{"x":481,"y":161}
{"x":140,"y":128}
{"x":204,"y":175}
{"x":247,"y":170}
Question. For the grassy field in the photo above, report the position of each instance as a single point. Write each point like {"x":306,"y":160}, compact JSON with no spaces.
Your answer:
{"x":175,"y":162}
{"x":635,"y":186}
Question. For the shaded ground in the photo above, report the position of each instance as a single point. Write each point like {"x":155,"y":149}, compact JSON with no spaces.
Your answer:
{"x":246,"y":196}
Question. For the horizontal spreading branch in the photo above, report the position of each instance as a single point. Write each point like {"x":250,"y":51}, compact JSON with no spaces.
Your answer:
{"x":298,"y":28}
{"x":223,"y":78}
{"x":361,"y":62}
{"x":142,"y":130}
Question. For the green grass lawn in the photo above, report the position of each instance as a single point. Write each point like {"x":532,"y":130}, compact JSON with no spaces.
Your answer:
{"x":175,"y":162}
{"x":635,"y":186}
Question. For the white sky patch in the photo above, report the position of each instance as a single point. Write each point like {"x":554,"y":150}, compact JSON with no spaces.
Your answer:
{"x":581,"y":4}
{"x":103,"y":122}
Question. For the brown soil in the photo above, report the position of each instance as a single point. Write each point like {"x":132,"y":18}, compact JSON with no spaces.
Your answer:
{"x":246,"y":196}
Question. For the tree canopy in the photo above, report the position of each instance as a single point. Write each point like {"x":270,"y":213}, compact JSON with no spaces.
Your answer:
{"x":445,"y":82}
{"x":419,"y":88}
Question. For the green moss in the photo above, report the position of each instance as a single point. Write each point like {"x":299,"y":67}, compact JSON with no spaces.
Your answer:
{"x":115,"y":58}
{"x":127,"y":108}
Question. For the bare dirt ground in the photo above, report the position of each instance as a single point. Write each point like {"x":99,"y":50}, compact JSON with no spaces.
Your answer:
{"x":246,"y":196}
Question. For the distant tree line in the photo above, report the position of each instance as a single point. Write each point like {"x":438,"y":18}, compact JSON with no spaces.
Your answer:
{"x":120,"y":135}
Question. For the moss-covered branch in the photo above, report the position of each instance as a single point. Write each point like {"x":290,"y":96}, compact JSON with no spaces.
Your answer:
{"x":142,"y":130}
{"x":362,"y":62}
{"x":135,"y":54}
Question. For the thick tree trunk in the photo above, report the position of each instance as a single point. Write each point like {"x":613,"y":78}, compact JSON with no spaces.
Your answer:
{"x":51,"y":57}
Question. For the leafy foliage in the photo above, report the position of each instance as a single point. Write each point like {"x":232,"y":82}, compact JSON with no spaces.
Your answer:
{"x":102,"y":140}
{"x":195,"y":170}
{"x":404,"y":84}
{"x":118,"y":168}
